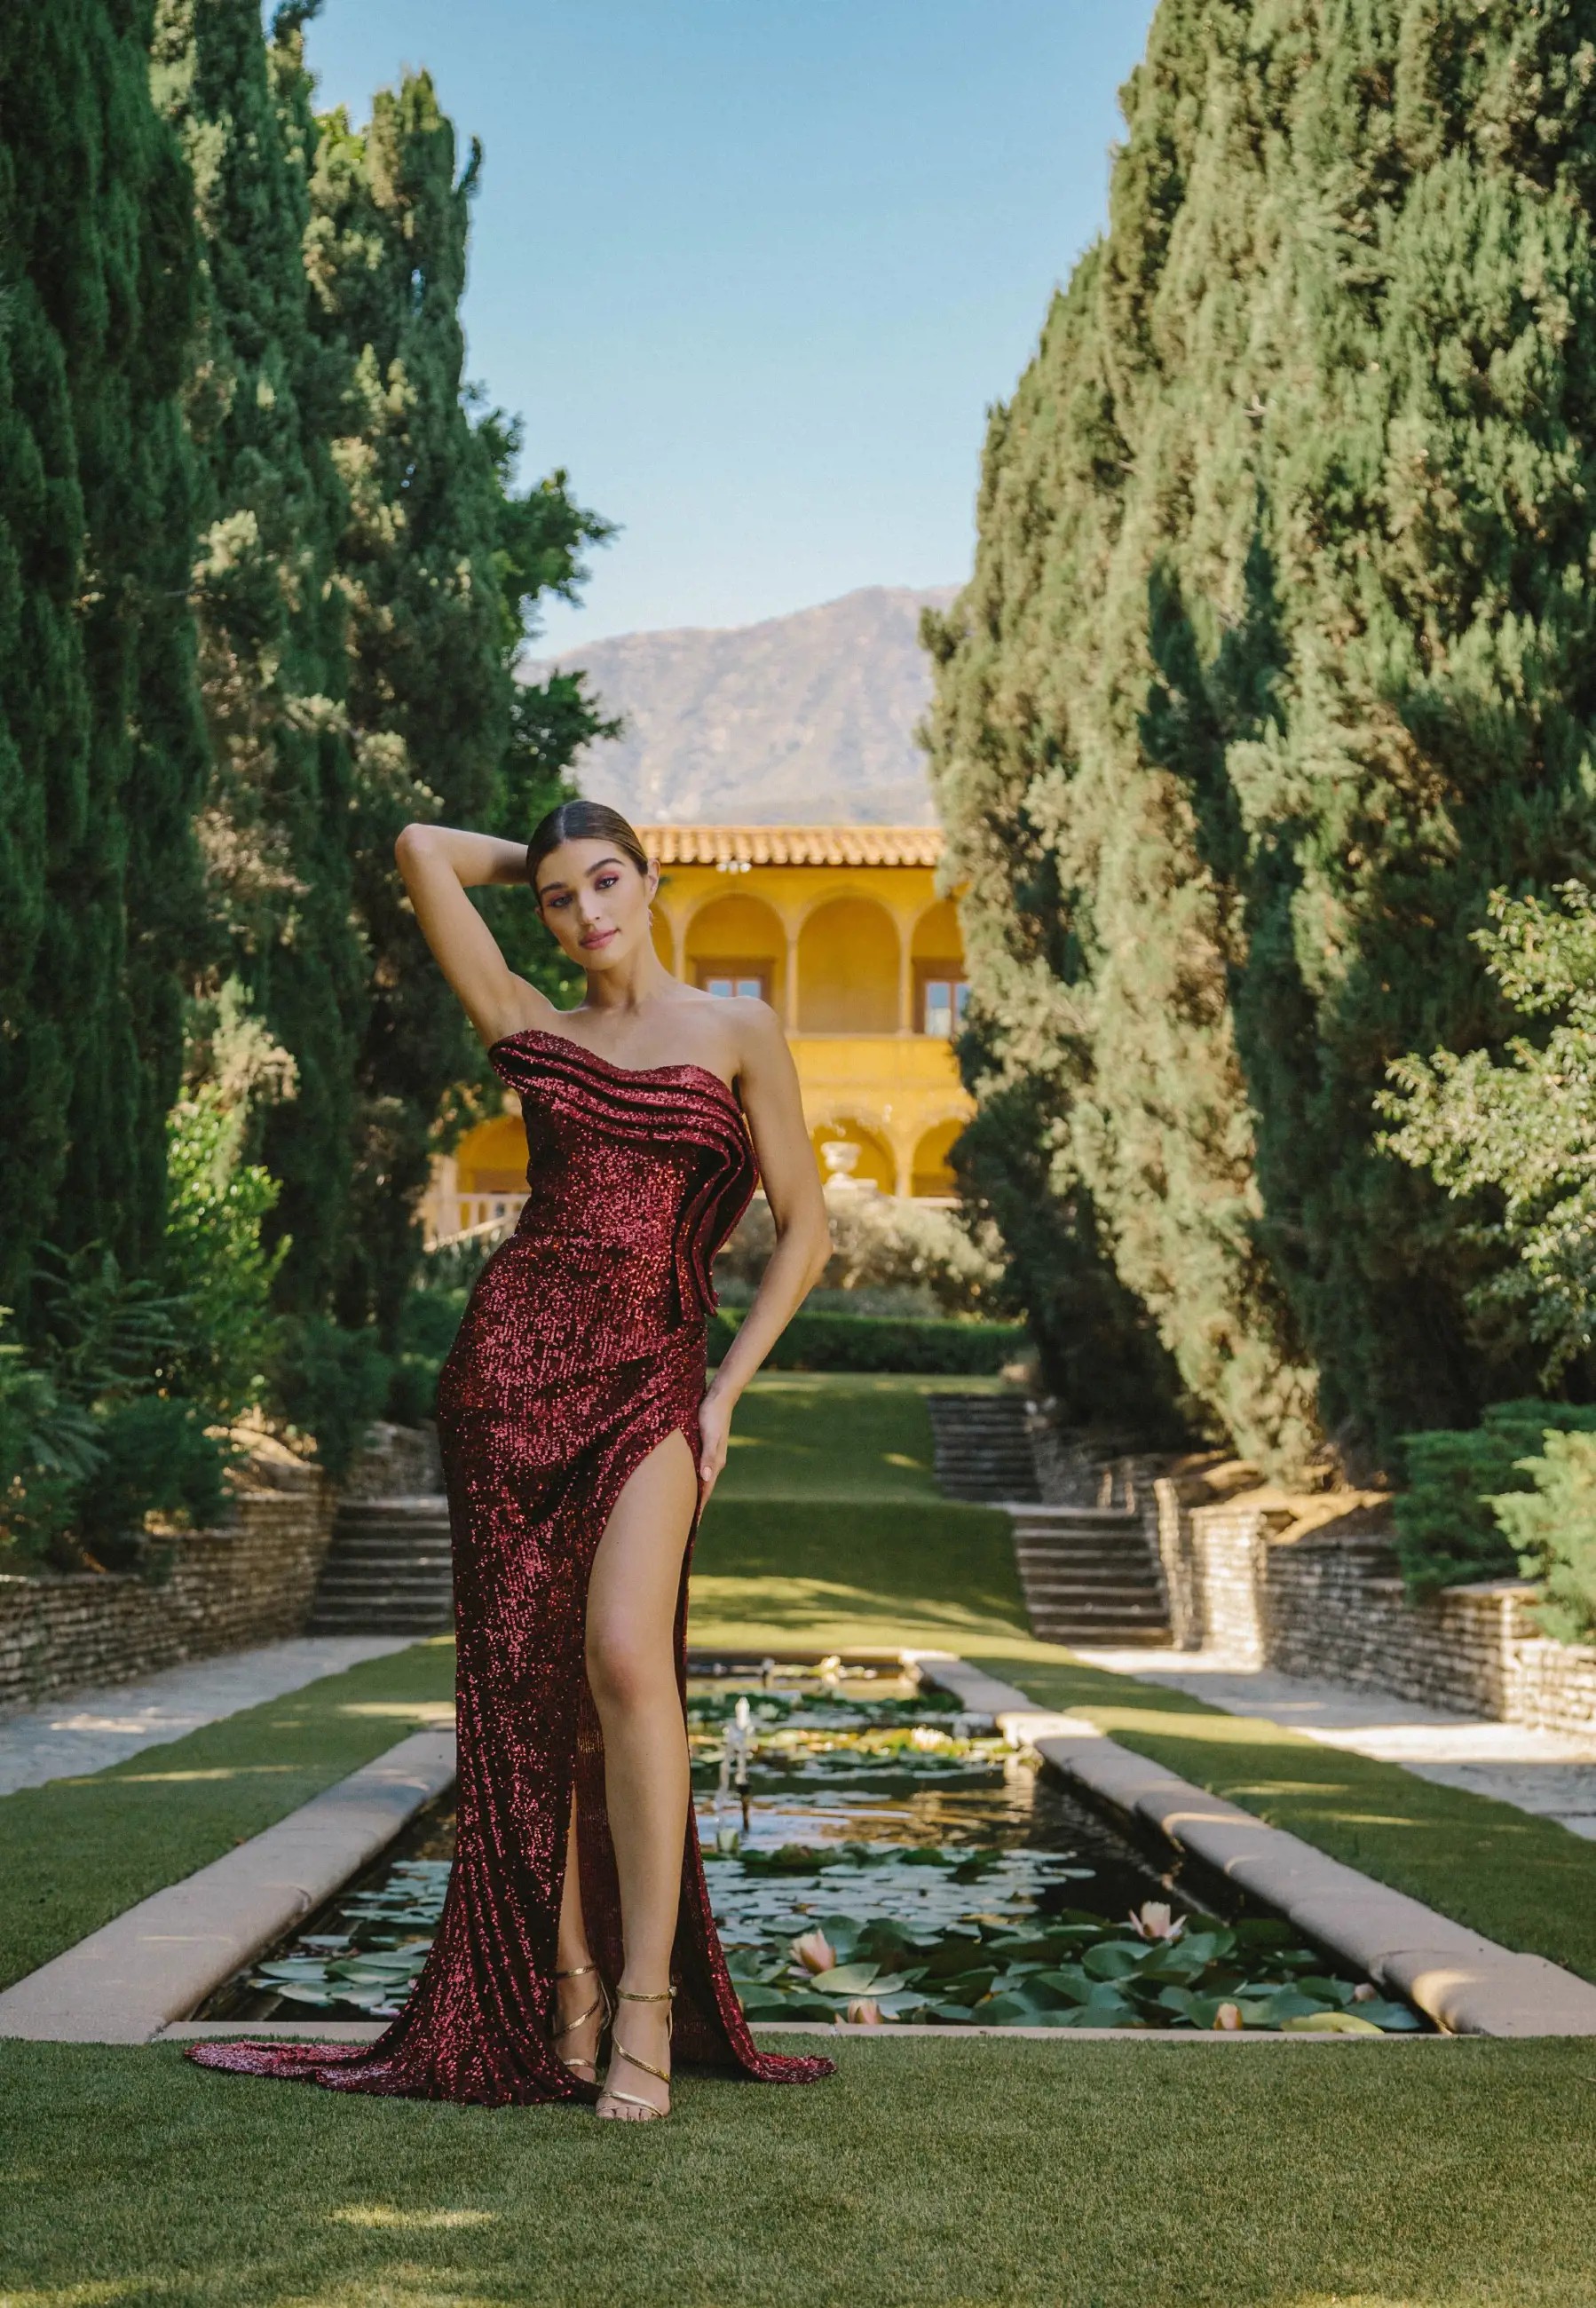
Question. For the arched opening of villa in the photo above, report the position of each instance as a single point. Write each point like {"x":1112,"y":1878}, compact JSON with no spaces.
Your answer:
{"x":847,"y":969}
{"x":490,"y":1172}
{"x":940,"y":990}
{"x":873,"y":1164}
{"x":931,"y":1172}
{"x":738,"y":946}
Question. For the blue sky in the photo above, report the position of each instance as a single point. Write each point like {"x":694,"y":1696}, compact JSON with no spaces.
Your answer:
{"x":752,"y":270}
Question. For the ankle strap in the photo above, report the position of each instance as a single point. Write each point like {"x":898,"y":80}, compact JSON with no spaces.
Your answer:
{"x":576,"y":1971}
{"x":627,"y":1996}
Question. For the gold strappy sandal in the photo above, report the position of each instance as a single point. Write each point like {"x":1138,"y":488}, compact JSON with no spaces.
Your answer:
{"x":601,"y":2008}
{"x":617,"y":2051}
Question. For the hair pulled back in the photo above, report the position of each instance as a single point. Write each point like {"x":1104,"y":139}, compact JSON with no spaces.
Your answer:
{"x":582,"y":820}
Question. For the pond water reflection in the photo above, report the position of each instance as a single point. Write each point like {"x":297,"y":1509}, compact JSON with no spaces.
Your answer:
{"x":872,"y":1854}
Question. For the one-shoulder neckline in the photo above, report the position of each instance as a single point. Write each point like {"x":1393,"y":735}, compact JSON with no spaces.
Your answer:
{"x":569,"y":1042}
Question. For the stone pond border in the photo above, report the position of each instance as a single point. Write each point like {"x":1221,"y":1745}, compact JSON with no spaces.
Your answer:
{"x":135,"y":1979}
{"x":152,"y":1965}
{"x":1467,"y":1984}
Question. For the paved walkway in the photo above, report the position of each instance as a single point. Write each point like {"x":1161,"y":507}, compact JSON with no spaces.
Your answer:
{"x":86,"y":1730}
{"x":1540,"y":1771}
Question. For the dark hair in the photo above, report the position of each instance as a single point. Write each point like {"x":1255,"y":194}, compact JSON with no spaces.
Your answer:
{"x":582,"y":820}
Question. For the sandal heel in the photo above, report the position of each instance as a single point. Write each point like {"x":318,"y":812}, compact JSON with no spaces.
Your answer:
{"x":617,"y":2051}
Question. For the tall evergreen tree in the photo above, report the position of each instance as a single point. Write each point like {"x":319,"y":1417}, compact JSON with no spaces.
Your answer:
{"x":1277,"y":659}
{"x":262,"y":402}
{"x":438,"y":563}
{"x":102,"y":750}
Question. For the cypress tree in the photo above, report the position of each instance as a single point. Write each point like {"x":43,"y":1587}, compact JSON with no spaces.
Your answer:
{"x":438,"y":563}
{"x":261,"y":403}
{"x":101,"y":751}
{"x":1276,"y":661}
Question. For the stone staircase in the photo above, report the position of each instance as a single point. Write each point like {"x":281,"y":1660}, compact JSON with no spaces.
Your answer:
{"x":1089,"y":1575}
{"x":387,"y":1571}
{"x":982,"y":1446}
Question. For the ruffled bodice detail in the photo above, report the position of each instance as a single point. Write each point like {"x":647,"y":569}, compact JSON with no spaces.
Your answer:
{"x":636,"y":1176}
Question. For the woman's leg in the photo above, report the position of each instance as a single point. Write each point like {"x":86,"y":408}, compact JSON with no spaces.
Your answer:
{"x":631,"y":1664}
{"x":579,"y":1992}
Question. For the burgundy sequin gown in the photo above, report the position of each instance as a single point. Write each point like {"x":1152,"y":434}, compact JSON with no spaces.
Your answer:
{"x":581,"y":1348}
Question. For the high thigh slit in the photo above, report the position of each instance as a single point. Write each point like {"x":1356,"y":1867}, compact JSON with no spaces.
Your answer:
{"x":582,"y":1350}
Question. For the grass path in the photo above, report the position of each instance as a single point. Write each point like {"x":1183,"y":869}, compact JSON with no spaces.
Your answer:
{"x":983,"y":2175}
{"x":978,"y":2174}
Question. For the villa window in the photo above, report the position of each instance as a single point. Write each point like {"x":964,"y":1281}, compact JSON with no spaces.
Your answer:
{"x":750,"y":981}
{"x":944,"y":999}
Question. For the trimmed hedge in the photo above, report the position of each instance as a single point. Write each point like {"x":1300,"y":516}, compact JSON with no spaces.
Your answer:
{"x":1447,"y":1531}
{"x":880,"y":1342}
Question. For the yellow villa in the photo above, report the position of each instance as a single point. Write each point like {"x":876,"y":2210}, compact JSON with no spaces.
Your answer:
{"x":840,"y":929}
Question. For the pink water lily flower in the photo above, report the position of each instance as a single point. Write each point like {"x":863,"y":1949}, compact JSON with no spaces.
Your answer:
{"x":815,"y":1951}
{"x":1227,"y":2018}
{"x":1154,"y":1922}
{"x":864,"y":2012}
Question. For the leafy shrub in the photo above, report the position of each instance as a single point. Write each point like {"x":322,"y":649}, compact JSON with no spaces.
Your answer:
{"x":155,"y":1457}
{"x":1516,"y":1135}
{"x":865,"y":1342}
{"x":1447,"y":1530}
{"x":216,"y":1206}
{"x":87,"y":1445}
{"x":896,"y":1300}
{"x":429,"y":1319}
{"x":412,"y":1398}
{"x":1553,"y":1526}
{"x":47,"y":1450}
{"x":331,"y":1384}
{"x":880,"y":1242}
{"x":104,"y":1334}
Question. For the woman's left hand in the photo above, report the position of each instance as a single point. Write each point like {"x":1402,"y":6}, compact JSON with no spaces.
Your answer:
{"x":714,"y":1431}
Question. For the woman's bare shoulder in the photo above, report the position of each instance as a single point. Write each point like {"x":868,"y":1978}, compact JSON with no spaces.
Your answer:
{"x":756,"y":1031}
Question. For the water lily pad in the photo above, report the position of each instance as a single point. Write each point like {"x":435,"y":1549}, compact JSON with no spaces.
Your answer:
{"x":1391,"y":2018}
{"x":845,"y":1979}
{"x":1113,"y":1960}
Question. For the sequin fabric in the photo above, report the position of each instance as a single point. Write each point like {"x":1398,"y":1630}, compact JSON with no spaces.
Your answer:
{"x":581,"y":1348}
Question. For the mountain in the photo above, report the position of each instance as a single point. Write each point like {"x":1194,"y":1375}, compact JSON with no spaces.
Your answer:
{"x":803,"y":719}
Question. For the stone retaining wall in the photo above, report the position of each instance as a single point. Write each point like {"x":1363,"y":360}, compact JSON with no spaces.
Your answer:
{"x":396,"y":1462}
{"x":250,"y":1582}
{"x":1311,"y":1587}
{"x":1241,"y":1579}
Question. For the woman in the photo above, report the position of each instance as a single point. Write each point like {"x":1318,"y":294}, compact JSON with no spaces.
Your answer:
{"x":579,"y":1445}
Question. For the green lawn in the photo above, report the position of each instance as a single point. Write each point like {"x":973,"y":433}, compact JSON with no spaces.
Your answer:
{"x":1411,"y":2174}
{"x":807,"y":1433}
{"x":963,"y":2176}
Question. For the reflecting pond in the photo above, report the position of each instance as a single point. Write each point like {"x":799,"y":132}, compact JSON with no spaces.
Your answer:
{"x":872,"y":1854}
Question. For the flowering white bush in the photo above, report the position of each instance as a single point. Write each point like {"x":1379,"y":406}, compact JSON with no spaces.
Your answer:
{"x":889,"y":1254}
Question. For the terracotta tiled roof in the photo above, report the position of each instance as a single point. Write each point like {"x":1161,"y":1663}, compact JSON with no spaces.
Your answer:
{"x":793,"y":845}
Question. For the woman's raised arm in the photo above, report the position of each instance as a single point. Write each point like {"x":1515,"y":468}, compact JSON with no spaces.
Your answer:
{"x":439,"y":863}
